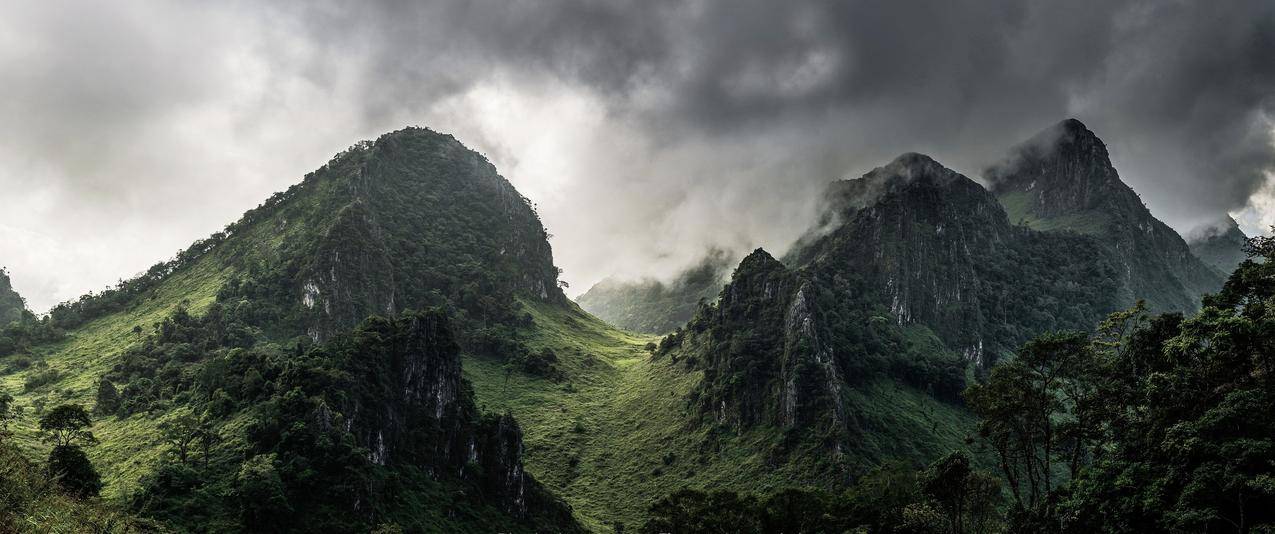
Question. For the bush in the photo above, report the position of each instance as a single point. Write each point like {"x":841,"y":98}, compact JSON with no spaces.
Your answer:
{"x":70,"y":467}
{"x":41,"y":377}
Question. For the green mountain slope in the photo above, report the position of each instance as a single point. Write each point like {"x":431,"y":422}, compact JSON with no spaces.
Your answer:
{"x":618,"y":432}
{"x":1062,"y":179}
{"x":656,"y":307}
{"x":411,"y":221}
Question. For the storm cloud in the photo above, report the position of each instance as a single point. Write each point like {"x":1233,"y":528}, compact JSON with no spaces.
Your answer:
{"x":648,"y":132}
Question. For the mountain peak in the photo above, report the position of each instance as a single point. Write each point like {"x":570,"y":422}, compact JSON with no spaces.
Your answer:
{"x":912,"y":165}
{"x":759,"y":259}
{"x":1062,"y":170}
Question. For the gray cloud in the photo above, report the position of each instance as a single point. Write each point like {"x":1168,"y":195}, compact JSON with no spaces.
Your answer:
{"x":647,"y":131}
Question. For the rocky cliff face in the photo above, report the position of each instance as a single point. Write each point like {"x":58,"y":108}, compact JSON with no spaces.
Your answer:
{"x":916,"y":230}
{"x":411,"y":407}
{"x":12,"y":307}
{"x":1220,"y":247}
{"x":350,"y":276}
{"x":936,"y":249}
{"x":1063,"y":179}
{"x":764,"y":331}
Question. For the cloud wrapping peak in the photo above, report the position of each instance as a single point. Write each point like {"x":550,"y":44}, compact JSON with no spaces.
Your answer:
{"x":647,"y":131}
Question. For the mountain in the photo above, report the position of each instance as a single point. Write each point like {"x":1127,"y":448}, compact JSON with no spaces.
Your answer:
{"x":655,"y":307}
{"x":935,"y":248}
{"x":314,"y":415}
{"x":1062,"y":179}
{"x":915,"y":275}
{"x":12,"y":307}
{"x":1220,"y":246}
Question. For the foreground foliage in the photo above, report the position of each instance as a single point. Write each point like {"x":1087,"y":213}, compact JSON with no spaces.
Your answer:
{"x":1155,"y":423}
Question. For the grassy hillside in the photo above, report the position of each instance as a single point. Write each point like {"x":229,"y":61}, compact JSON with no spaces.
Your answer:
{"x":1018,"y":209}
{"x":610,"y":437}
{"x":614,"y":436}
{"x":131,"y":446}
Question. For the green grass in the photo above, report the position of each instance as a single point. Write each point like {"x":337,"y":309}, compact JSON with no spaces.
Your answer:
{"x":129,"y":447}
{"x":1020,"y":213}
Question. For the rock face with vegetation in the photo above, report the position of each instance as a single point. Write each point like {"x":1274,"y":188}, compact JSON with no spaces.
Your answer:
{"x":916,"y":274}
{"x":12,"y":307}
{"x":653,"y":306}
{"x":1220,"y":247}
{"x":1062,"y":179}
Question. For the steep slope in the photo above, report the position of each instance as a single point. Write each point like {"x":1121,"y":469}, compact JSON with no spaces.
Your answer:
{"x":12,"y":307}
{"x":654,"y":307}
{"x":411,"y":221}
{"x":1220,"y":247}
{"x":1062,"y":179}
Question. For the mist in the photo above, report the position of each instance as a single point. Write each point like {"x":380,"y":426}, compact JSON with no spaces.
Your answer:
{"x":647,"y":133}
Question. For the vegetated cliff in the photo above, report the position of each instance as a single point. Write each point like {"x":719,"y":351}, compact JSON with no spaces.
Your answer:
{"x":914,"y":274}
{"x":392,"y":389}
{"x":12,"y":307}
{"x":1062,"y":179}
{"x":1220,"y":246}
{"x":655,"y":307}
{"x":936,"y":249}
{"x":413,"y":219}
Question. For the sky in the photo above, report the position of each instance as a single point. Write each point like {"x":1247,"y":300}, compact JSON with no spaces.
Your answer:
{"x":647,"y":132}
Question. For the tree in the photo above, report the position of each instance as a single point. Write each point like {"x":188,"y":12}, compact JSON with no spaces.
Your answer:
{"x":73,"y":471}
{"x":7,"y":413}
{"x":67,"y":426}
{"x":1155,"y":424}
{"x":183,"y":432}
{"x":263,"y":505}
{"x":1036,"y":415}
{"x":965,"y":498}
{"x":690,"y":511}
{"x":108,"y":398}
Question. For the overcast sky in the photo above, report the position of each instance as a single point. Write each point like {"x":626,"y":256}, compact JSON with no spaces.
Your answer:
{"x":646,"y":131}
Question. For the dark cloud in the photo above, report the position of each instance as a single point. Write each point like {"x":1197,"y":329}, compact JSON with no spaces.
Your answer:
{"x":648,"y":131}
